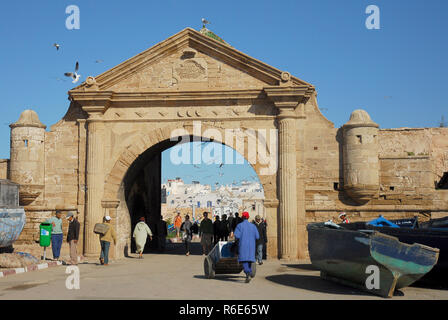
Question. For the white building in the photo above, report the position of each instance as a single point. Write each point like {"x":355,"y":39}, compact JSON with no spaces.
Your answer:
{"x":223,"y":200}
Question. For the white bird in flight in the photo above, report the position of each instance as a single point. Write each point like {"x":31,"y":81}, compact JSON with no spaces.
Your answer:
{"x":204,"y":21}
{"x":75,"y":76}
{"x":57,"y":46}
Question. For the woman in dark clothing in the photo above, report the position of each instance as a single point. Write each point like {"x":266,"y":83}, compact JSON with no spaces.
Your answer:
{"x":187,"y":233}
{"x":224,"y":230}
{"x":216,"y":229}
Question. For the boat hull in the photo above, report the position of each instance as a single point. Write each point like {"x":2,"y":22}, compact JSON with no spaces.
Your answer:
{"x":12,"y":222}
{"x":344,"y":256}
{"x":432,"y":237}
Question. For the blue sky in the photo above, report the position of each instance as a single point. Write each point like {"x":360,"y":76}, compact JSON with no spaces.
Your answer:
{"x":398,"y":73}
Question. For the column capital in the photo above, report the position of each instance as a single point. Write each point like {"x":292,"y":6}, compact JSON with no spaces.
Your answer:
{"x":286,"y":99}
{"x":113,"y":204}
{"x":271,"y":203}
{"x":94,"y":103}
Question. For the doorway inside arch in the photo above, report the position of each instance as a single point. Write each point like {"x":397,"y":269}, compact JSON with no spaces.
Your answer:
{"x":188,"y":178}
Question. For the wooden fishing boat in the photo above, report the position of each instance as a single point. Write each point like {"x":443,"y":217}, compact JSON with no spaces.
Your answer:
{"x":433,"y":233}
{"x":12,"y":222}
{"x":346,"y":256}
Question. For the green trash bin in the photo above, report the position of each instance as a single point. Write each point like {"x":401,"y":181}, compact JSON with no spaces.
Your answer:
{"x":45,"y":234}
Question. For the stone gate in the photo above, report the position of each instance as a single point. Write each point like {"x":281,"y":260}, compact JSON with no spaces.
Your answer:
{"x":105,"y":152}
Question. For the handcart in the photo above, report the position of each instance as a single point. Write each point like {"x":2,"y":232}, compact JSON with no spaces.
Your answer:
{"x":223,"y":260}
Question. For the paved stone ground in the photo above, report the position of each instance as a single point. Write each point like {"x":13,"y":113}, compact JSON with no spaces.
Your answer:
{"x":175,"y":276}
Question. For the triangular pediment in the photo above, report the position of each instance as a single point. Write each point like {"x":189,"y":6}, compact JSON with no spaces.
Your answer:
{"x":188,"y":61}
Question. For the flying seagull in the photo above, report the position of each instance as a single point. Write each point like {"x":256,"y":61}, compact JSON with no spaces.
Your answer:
{"x":99,"y":61}
{"x":204,"y":22}
{"x":57,"y":46}
{"x":74,"y":75}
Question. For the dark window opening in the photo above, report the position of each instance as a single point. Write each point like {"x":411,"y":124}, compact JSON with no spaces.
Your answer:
{"x":391,"y":188}
{"x":336,"y":186}
{"x":315,"y":148}
{"x":443,"y":183}
{"x":359,"y":139}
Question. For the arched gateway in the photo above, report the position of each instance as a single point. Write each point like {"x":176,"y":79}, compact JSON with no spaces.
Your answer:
{"x":192,"y":81}
{"x":195,"y":85}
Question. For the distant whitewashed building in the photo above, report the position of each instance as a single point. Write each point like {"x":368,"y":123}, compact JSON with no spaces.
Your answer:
{"x":223,"y":200}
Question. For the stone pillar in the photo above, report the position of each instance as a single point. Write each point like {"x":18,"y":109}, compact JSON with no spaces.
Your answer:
{"x":302,"y":235}
{"x":271,"y":208}
{"x":95,"y":185}
{"x":287,"y":184}
{"x":286,"y":98}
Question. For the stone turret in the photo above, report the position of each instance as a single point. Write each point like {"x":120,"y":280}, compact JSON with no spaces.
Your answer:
{"x":27,"y":164}
{"x":360,"y":157}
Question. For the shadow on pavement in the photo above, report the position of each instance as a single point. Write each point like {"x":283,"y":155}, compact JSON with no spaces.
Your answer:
{"x":309,"y":267}
{"x":314,"y":283}
{"x":223,"y":277}
{"x":178,"y":249}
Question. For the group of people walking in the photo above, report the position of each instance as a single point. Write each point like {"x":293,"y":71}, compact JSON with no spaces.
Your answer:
{"x":251,"y":237}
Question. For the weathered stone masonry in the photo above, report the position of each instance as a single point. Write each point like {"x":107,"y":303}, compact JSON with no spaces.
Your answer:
{"x":119,"y":122}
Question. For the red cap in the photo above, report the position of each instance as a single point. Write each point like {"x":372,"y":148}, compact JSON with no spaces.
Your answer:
{"x":245,"y":215}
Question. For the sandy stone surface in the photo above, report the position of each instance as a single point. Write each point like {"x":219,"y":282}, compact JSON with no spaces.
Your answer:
{"x":175,"y":276}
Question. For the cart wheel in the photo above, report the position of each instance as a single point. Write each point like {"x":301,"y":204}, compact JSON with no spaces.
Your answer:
{"x":254,"y":269}
{"x":208,"y":268}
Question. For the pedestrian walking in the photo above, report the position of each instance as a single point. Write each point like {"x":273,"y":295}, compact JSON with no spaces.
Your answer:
{"x":261,"y":242}
{"x":178,"y":224}
{"x":216,"y":229}
{"x":224,"y":230}
{"x":162,"y":232}
{"x":73,"y":237}
{"x":141,"y":232}
{"x":247,"y":235}
{"x":237,"y":220}
{"x":206,"y":234}
{"x":230,"y":220}
{"x":56,"y":234}
{"x":187,"y":234}
{"x":105,"y":240}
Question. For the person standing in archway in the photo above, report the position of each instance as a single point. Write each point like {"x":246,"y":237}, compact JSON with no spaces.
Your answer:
{"x":178,"y":224}
{"x":206,"y":234}
{"x":162,"y":232}
{"x":247,"y":235}
{"x":141,"y":231}
{"x":224,"y":229}
{"x":230,"y":223}
{"x":216,"y":230}
{"x":237,"y":220}
{"x":187,"y":233}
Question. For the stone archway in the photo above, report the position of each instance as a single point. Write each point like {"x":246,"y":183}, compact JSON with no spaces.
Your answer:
{"x":156,"y":141}
{"x":158,"y":89}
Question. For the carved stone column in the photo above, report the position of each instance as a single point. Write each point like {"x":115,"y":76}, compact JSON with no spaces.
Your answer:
{"x":287,"y":184}
{"x":286,"y":99}
{"x":95,"y":104}
{"x":95,"y":184}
